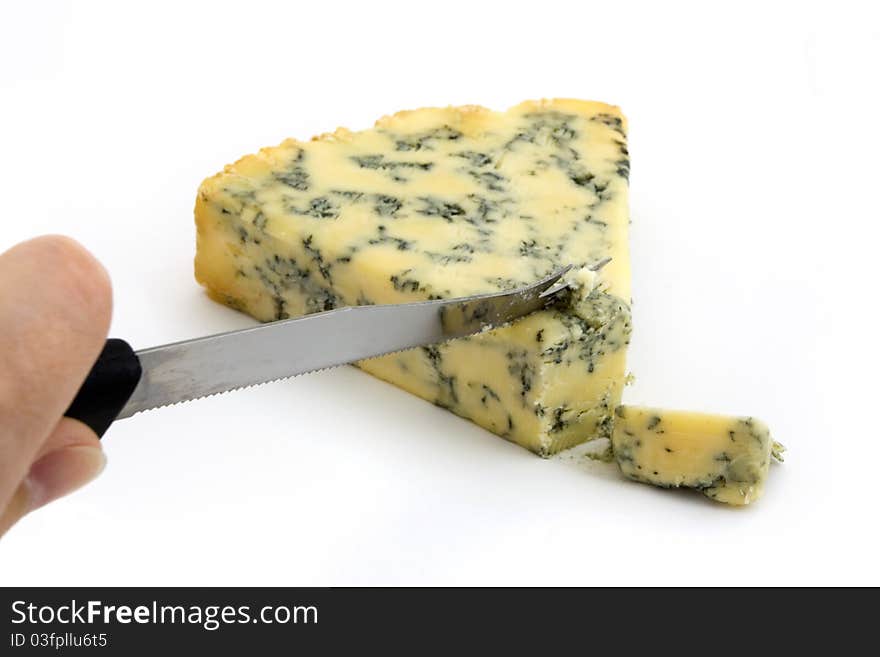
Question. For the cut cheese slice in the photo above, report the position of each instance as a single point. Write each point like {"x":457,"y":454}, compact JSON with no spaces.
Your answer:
{"x":440,"y":203}
{"x":727,"y":458}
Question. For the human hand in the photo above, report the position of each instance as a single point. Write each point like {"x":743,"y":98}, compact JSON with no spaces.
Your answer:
{"x":55,"y":304}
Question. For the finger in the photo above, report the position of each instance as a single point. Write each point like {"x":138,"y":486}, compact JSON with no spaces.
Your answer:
{"x":67,"y":433}
{"x":55,"y":304}
{"x":15,"y":508}
{"x":70,"y":458}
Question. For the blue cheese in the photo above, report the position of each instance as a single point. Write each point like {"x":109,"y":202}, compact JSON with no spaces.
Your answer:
{"x":438,"y":203}
{"x":726,"y":458}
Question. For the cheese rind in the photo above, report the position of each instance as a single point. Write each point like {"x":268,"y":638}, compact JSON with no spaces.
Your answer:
{"x":726,"y":458}
{"x":440,"y":203}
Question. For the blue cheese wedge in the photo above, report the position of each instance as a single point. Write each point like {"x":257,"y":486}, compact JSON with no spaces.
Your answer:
{"x":439,"y":203}
{"x":726,"y":458}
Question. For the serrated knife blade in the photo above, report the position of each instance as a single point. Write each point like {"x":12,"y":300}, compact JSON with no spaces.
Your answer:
{"x":191,"y":369}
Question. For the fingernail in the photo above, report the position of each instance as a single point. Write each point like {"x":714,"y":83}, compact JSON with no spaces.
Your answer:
{"x":63,"y":471}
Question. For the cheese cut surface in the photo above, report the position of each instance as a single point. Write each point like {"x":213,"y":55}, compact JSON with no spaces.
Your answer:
{"x":727,"y":458}
{"x":439,"y":203}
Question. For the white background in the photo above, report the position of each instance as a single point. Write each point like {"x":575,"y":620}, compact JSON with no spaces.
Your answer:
{"x":754,"y":136}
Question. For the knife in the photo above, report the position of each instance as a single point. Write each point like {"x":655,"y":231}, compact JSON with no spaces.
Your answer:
{"x":124,"y":382}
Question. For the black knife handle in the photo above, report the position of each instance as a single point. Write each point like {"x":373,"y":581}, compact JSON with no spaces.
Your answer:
{"x":108,"y":386}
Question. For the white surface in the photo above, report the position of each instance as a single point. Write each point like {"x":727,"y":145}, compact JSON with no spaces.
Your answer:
{"x":753,"y":133}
